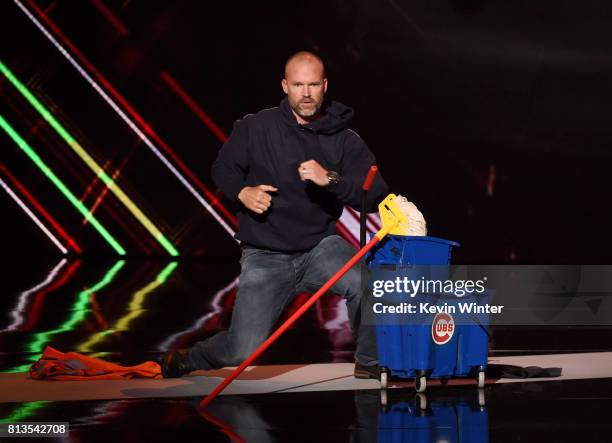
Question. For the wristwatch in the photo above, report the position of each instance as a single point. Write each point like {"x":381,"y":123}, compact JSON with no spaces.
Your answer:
{"x":333,"y":177}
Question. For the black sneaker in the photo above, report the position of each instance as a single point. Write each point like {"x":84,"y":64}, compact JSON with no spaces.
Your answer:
{"x":176,"y":364}
{"x":363,"y":371}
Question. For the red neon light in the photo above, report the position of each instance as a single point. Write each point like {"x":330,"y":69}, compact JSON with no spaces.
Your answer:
{"x":197,"y":110}
{"x":93,"y":183}
{"x":105,"y":189}
{"x":34,"y":313}
{"x":115,"y":21}
{"x":41,"y":210}
{"x":98,"y":200}
{"x":143,"y":124}
{"x":97,"y":312}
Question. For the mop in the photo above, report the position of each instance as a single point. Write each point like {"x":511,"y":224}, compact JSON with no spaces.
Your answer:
{"x":392,"y":219}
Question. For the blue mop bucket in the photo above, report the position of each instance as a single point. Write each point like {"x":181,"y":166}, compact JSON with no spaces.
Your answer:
{"x":408,"y":350}
{"x":412,"y":250}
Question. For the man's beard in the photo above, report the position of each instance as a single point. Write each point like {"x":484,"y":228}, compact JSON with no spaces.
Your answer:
{"x":307,"y":112}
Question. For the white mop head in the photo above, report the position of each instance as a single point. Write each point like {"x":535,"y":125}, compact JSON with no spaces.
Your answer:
{"x":416,"y":221}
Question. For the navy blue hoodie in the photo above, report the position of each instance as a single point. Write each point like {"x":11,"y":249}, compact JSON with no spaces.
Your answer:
{"x":266,"y":149}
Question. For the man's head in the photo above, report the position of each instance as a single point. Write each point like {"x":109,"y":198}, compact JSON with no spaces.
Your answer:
{"x":305,"y":85}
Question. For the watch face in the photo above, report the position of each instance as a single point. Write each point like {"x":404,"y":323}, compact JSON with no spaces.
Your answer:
{"x":333,"y":177}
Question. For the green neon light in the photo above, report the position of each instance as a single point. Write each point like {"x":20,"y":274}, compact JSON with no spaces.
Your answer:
{"x":24,"y":411}
{"x":79,"y":310}
{"x":166,"y":272}
{"x":99,"y":171}
{"x":60,"y":185}
{"x":134,"y":309}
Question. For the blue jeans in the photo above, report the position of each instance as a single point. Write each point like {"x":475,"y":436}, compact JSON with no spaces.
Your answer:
{"x":269,"y":281}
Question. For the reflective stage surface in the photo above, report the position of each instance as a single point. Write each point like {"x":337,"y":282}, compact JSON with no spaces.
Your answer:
{"x":133,"y":310}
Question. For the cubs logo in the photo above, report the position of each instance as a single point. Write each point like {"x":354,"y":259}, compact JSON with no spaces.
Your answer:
{"x":442,"y":328}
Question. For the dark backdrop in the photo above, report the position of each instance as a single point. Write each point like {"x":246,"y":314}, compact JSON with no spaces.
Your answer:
{"x":492,"y":116}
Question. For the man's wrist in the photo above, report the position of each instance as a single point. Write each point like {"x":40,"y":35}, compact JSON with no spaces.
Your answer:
{"x":333,"y":177}
{"x":240,"y":193}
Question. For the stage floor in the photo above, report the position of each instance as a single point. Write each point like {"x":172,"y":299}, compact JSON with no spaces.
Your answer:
{"x":301,"y":390}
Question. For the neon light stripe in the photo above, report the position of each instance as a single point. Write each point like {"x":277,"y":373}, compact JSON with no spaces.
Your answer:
{"x":195,"y":108}
{"x":98,"y":200}
{"x":121,"y":221}
{"x":210,"y":124}
{"x":24,"y":411}
{"x":23,"y":297}
{"x":115,"y":21}
{"x":350,"y":226}
{"x":370,"y":227}
{"x":60,"y":185}
{"x":146,"y":248}
{"x":92,"y":184}
{"x":134,"y":310}
{"x":125,"y":118}
{"x":89,"y":161}
{"x":33,"y":217}
{"x":371,"y":219}
{"x":79,"y":310}
{"x":33,"y":316}
{"x":41,"y":210}
{"x":374,"y":220}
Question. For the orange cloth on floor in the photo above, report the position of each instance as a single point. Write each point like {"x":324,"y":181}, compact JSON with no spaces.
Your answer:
{"x":56,"y":365}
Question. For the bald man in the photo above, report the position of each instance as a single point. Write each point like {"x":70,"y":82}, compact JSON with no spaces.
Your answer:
{"x":291,"y":169}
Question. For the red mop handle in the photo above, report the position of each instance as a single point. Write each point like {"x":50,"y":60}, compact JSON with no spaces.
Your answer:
{"x":367,"y":183}
{"x":266,"y":344}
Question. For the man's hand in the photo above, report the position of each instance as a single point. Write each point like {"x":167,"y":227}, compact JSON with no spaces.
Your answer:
{"x":256,"y":198}
{"x":313,"y":171}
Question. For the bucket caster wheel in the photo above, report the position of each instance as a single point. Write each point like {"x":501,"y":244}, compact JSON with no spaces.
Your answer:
{"x":384,"y":378}
{"x":420,"y":383}
{"x":481,"y":378}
